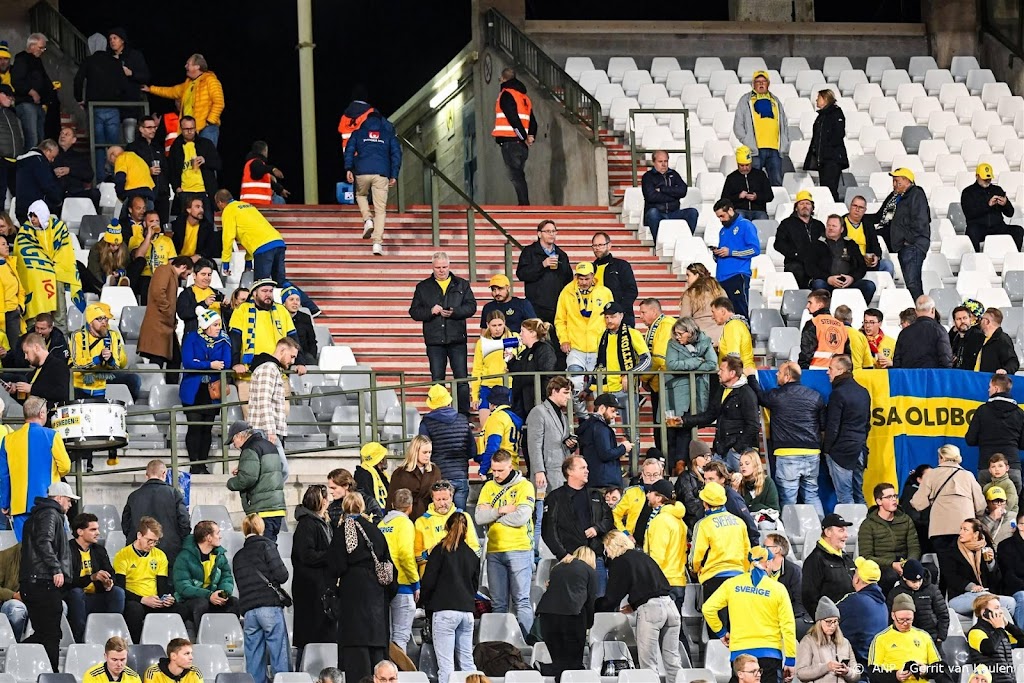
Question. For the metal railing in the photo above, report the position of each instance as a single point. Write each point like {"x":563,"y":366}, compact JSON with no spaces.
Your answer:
{"x":436,"y":177}
{"x":91,"y":108}
{"x":44,"y":18}
{"x":636,"y":152}
{"x":580,"y":106}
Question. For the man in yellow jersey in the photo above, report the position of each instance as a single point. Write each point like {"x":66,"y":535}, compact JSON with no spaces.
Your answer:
{"x":261,"y":242}
{"x":505,"y":507}
{"x":881,"y":346}
{"x":176,"y":667}
{"x":502,"y":429}
{"x":863,"y":233}
{"x":141,"y":571}
{"x":114,"y":667}
{"x":400,"y":533}
{"x":633,"y":511}
{"x":132,"y":177}
{"x":736,"y":339}
{"x":430,"y":526}
{"x":579,"y":324}
{"x":665,"y":539}
{"x":92,"y":587}
{"x":193,"y":164}
{"x":151,"y":249}
{"x":657,"y":337}
{"x":621,"y":348}
{"x":259,"y":477}
{"x":255,"y":328}
{"x":860,"y":352}
{"x":904,"y":653}
{"x":761,"y":125}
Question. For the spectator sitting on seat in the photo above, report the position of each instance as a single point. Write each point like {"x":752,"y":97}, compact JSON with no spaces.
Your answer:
{"x":824,"y":653}
{"x":108,"y":261}
{"x":738,"y":244}
{"x":73,"y":169}
{"x":735,"y":339}
{"x":758,"y":489}
{"x":969,"y":567}
{"x":838,"y":262}
{"x":761,"y":125}
{"x":998,"y":474}
{"x":748,"y":192}
{"x":997,"y":353}
{"x":203,"y":582}
{"x":985,"y":204}
{"x":114,"y":667}
{"x":92,"y":576}
{"x":862,"y":231}
{"x":1010,"y":556}
{"x":888,"y":537}
{"x":663,"y":187}
{"x":193,"y":233}
{"x":823,"y":336}
{"x":796,"y":237}
{"x":923,"y":343}
{"x":860,"y":352}
{"x":828,"y":569}
{"x":998,"y":520}
{"x":142,"y":572}
{"x":13,"y":608}
{"x":993,"y":638}
{"x":931,"y":613}
{"x":304,"y":329}
{"x":965,"y":336}
{"x":880,"y":346}
{"x":177,"y":666}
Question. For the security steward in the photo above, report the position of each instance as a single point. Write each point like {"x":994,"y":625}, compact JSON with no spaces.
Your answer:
{"x":515,"y":129}
{"x":823,"y":335}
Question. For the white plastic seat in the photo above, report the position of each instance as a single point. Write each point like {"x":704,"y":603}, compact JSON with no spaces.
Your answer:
{"x":669,"y":232}
{"x":870,"y":136}
{"x":929,"y":151}
{"x":74,"y":208}
{"x":797,"y":110}
{"x":956,"y":136}
{"x":934,"y":79}
{"x":81,"y":657}
{"x":589,"y":80}
{"x":940,"y":121}
{"x":710,"y":184}
{"x":862,"y":167}
{"x":834,"y":66}
{"x":892,"y":301}
{"x":896,"y":121}
{"x":807,"y":79}
{"x":574,"y":66}
{"x":977,"y":78}
{"x":632,"y":81}
{"x":941,"y":198}
{"x":983,"y":121}
{"x":720,"y":80}
{"x":864,"y":93}
{"x":703,"y":67}
{"x":746,"y":66}
{"x":26,"y":662}
{"x":966,"y":107}
{"x":734,"y":94}
{"x":849,"y":79}
{"x":850,"y":298}
{"x":707,"y":108}
{"x":1014,"y":151}
{"x":923,"y":107}
{"x":1009,"y":107}
{"x":876,"y":66}
{"x":948,"y":166}
{"x":661,"y":67}
{"x":618,"y":112}
{"x":99,"y":627}
{"x":961,"y":65}
{"x":791,"y":67}
{"x":997,"y":248}
{"x":887,"y":150}
{"x":968,"y":283}
{"x":906,"y":93}
{"x":618,"y":66}
{"x":722,"y":124}
{"x":880,"y":107}
{"x":692,"y":94}
{"x":675,"y":81}
{"x":954,"y":249}
{"x":607,"y":93}
{"x":892,"y":79}
{"x":210,"y":659}
{"x":159,"y":629}
{"x":911,"y":161}
{"x":856,"y":121}
{"x":974,"y":150}
{"x":117,"y":298}
{"x":999,"y":135}
{"x":666,"y":103}
{"x":649,"y":93}
{"x":919,"y":66}
{"x":992,"y":92}
{"x":949,"y":93}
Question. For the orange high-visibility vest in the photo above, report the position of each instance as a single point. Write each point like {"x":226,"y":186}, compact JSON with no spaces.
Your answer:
{"x":171,"y":126}
{"x":832,"y":337}
{"x":524,"y":106}
{"x":348,"y":125}
{"x":254,"y":191}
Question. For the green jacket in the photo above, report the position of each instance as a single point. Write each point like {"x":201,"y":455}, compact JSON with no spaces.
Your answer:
{"x":888,"y":542}
{"x":699,"y":355}
{"x":260,"y":478}
{"x":189,"y":574}
{"x":768,"y":500}
{"x":10,"y":570}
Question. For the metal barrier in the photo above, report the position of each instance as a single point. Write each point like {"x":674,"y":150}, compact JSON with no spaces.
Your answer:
{"x":635,"y":150}
{"x":91,"y":108}
{"x":44,"y":18}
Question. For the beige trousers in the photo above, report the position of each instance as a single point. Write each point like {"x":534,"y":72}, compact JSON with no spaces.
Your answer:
{"x":377,"y":185}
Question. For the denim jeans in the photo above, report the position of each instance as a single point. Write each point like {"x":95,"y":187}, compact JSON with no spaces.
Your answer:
{"x":17,"y":614}
{"x":731,"y":460}
{"x":602,"y":576}
{"x":912,"y":261}
{"x":403,"y":610}
{"x":753,"y":215}
{"x":865,"y":287}
{"x":439,"y":357}
{"x":33,"y":122}
{"x":266,"y":637}
{"x":82,"y":604}
{"x":849,"y":484}
{"x":1018,"y":612}
{"x":211,"y":131}
{"x":461,"y":495}
{"x":657,"y":630}
{"x":453,"y":641}
{"x":769,"y":161}
{"x":509,"y":575}
{"x":272,"y":527}
{"x":884,"y":266}
{"x":961,"y":604}
{"x":654,"y":216}
{"x":737,"y":288}
{"x":798,"y":473}
{"x":107,"y":130}
{"x":271,"y":263}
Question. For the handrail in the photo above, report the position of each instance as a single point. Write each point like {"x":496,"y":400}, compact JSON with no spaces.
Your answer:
{"x":45,"y":19}
{"x":91,"y":108}
{"x":636,"y":150}
{"x":580,"y":106}
{"x":472,"y":209}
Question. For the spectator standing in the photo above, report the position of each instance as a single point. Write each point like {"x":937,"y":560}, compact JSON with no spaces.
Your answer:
{"x":417,"y":474}
{"x":951,"y":494}
{"x":824,"y":654}
{"x":91,"y":586}
{"x":536,"y":354}
{"x":827,"y":151}
{"x":201,"y":95}
{"x":371,"y":472}
{"x":150,"y":149}
{"x":690,"y":482}
{"x":203,"y":582}
{"x":735,"y":339}
{"x":489,"y":369}
{"x":141,"y":570}
{"x":621,"y":348}
{"x":132,"y":178}
{"x":580,"y":325}
{"x":199,"y":296}
{"x":400,"y":534}
{"x":965,"y":336}
{"x":662,"y":189}
{"x":659,"y":332}
{"x":828,"y":570}
{"x":970,"y":567}
{"x":924,"y":343}
{"x":133,"y":65}
{"x":761,"y":125}
{"x":73,"y":169}
{"x":37,"y":182}
{"x":52,"y":381}
{"x":46,"y":566}
{"x":312,"y":577}
{"x":748,"y":192}
{"x":863,"y":613}
{"x":716,"y":471}
{"x":34,"y":89}
{"x":515,"y":309}
{"x":689,"y":351}
{"x":566,"y":610}
{"x":373,"y":159}
{"x":268,"y":397}
{"x":665,"y":539}
{"x":431,"y":526}
{"x":260,"y":573}
{"x":255,"y":328}
{"x":695,"y":302}
{"x":997,"y":353}
{"x":442,"y":303}
{"x":910,"y":227}
{"x":998,"y":427}
{"x":985,"y":204}
{"x":930,"y":611}
{"x":847,"y":424}
{"x":633,"y":510}
{"x":100,"y":79}
{"x":259,"y":178}
{"x":738,"y":244}
{"x":158,"y":340}
{"x":159,"y":500}
{"x":616,"y":274}
{"x":597,"y":443}
{"x":795,"y":239}
{"x":548,"y":438}
{"x":887,"y":537}
{"x":545,"y":271}
{"x":515,"y":130}
{"x":259,"y":477}
{"x":452,"y":439}
{"x":860,"y":351}
{"x":823,"y":337}
{"x":993,"y":638}
{"x":862,"y":231}
{"x":339,"y":483}
{"x":12,"y":139}
{"x":193,"y":165}
{"x":758,"y":489}
{"x":733,"y":406}
{"x":839,"y":262}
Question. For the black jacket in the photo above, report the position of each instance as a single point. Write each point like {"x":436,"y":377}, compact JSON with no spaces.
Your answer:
{"x":663,"y":191}
{"x":870,"y":236}
{"x":572,"y":591}
{"x":451,"y":579}
{"x":54,"y":379}
{"x":958,"y":575}
{"x":966,"y":347}
{"x":995,"y":649}
{"x":980,"y":216}
{"x":791,"y":576}
{"x":136,"y":61}
{"x":80,"y":170}
{"x":923,"y":344}
{"x":436,"y":328}
{"x":687,"y":488}
{"x":164,"y":503}
{"x":1010,"y":556}
{"x":911,"y":224}
{"x":100,"y":79}
{"x":798,"y":412}
{"x":262,"y":168}
{"x":359,"y":591}
{"x":540,"y":357}
{"x":185,"y":307}
{"x":619,"y":278}
{"x":207,"y":242}
{"x":35,"y":180}
{"x":543,"y":285}
{"x":931,"y":613}
{"x":44,"y":549}
{"x":737,"y":416}
{"x":634,"y":574}
{"x":755,"y":182}
{"x":310,"y":547}
{"x":100,"y":562}
{"x":998,"y":354}
{"x":211,"y":166}
{"x":150,"y":152}
{"x":257,"y":553}
{"x":57,"y":344}
{"x":795,"y":240}
{"x":826,"y":574}
{"x":12,"y":137}
{"x":28,"y":73}
{"x":560,"y":528}
{"x":453,"y":440}
{"x":847,"y":422}
{"x":825,"y":257}
{"x":306,"y":338}
{"x":828,"y":144}
{"x":997,"y":427}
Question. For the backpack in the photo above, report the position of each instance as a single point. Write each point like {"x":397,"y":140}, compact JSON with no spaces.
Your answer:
{"x":496,"y":658}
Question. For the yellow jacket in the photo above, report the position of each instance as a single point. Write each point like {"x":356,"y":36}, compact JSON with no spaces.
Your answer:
{"x":578,"y":317}
{"x":85,"y":351}
{"x":658,"y":336}
{"x":627,"y":510}
{"x":860,"y":352}
{"x":491,"y":364}
{"x":400,"y":533}
{"x":13,"y":293}
{"x":736,"y":339}
{"x":98,"y":674}
{"x":45,"y":261}
{"x":430,"y":531}
{"x":202,"y":98}
{"x":136,"y":171}
{"x":245,"y":223}
{"x":886,"y":348}
{"x":503,"y":538}
{"x":720,"y":545}
{"x":759,"y":612}
{"x":665,"y":542}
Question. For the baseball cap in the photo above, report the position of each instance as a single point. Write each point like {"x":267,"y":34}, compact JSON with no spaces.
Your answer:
{"x":804,"y":195}
{"x":613,"y":308}
{"x":913,"y":570}
{"x":995,"y":493}
{"x":237,"y":427}
{"x":984,"y":171}
{"x":6,"y":90}
{"x":500,"y":280}
{"x":60,"y":488}
{"x":762,"y":73}
{"x":902,"y":173}
{"x":743,"y":155}
{"x":663,"y":487}
{"x":608,"y":400}
{"x":585,"y":268}
{"x":833,"y":519}
{"x":868,"y":570}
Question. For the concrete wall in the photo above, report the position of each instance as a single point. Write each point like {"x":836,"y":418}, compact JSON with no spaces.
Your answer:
{"x":952,"y":28}
{"x":1005,"y":65}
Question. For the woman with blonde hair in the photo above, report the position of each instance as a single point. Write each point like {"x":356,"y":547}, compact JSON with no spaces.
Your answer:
{"x":535,"y":355}
{"x":953,"y":494}
{"x":566,"y":610}
{"x":695,"y":302}
{"x":827,"y":152}
{"x":417,"y":474}
{"x":494,"y":363}
{"x":824,"y":654}
{"x":758,"y":489}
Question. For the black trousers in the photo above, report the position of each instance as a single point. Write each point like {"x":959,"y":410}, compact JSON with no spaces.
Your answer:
{"x":358,"y":662}
{"x":515,"y":153}
{"x":565,"y":637}
{"x":198,"y":438}
{"x":709,"y":588}
{"x":45,"y":607}
{"x":829,"y":175}
{"x":195,"y":608}
{"x":548,"y":316}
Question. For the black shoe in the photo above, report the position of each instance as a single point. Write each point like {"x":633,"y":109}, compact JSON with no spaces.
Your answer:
{"x":88,"y":466}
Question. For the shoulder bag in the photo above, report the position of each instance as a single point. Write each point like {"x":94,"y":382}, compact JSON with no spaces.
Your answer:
{"x":282,"y":594}
{"x":926,"y":514}
{"x":385,"y":570}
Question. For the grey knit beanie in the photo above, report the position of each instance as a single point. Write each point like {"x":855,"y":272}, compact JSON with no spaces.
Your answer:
{"x":826,"y":609}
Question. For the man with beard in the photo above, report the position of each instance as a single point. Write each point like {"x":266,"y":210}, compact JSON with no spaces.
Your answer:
{"x":615,"y":274}
{"x":796,"y":237}
{"x":151,"y":150}
{"x":193,"y":232}
{"x":516,"y":310}
{"x":965,"y":336}
{"x":255,"y":328}
{"x":544,"y":269}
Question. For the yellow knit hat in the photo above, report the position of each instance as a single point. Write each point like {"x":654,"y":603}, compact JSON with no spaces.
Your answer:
{"x":97,"y":310}
{"x":438,"y":397}
{"x":372,"y":453}
{"x":113,"y":233}
{"x":743,"y":155}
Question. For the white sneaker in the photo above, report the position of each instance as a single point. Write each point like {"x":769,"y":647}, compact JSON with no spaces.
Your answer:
{"x":367,"y":228}
{"x":378,"y":249}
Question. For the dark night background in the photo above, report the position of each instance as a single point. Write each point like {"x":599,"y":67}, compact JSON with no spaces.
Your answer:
{"x":391,"y":48}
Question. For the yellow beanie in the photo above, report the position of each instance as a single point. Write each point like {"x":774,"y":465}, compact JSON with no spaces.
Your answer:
{"x":802,"y":195}
{"x":438,"y":397}
{"x":372,"y":453}
{"x":743,"y":156}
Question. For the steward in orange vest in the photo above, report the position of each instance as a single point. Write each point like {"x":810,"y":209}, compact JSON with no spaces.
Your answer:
{"x":515,"y":129}
{"x":823,"y":336}
{"x":171,"y":126}
{"x":355,"y":113}
{"x":259,"y":178}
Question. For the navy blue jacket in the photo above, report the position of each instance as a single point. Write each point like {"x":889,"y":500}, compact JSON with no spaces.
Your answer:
{"x":598,"y":448}
{"x":663,"y":191}
{"x":35,"y":180}
{"x":453,"y":441}
{"x":374,"y":149}
{"x":847,"y":422}
{"x":798,"y":411}
{"x":862,"y":616}
{"x":516,"y":310}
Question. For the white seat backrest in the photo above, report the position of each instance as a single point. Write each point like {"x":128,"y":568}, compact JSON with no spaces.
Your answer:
{"x":574,"y":66}
{"x":791,"y":67}
{"x":661,"y":67}
{"x":950,"y":92}
{"x":617,"y":66}
{"x":677,"y":79}
{"x":934,"y":79}
{"x":746,"y":66}
{"x":703,"y":67}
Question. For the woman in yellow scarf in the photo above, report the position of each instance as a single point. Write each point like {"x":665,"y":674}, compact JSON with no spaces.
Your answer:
{"x":46,"y":265}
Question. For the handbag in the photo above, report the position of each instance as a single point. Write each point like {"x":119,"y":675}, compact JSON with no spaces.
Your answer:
{"x":282,"y":594}
{"x":213,"y":388}
{"x":385,"y":570}
{"x":331,"y":603}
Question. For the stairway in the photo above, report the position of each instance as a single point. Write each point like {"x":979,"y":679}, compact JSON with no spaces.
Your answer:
{"x":620,"y":170}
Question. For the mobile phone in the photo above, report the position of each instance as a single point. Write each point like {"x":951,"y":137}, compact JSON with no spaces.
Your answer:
{"x":844,"y":662}
{"x":988,"y":614}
